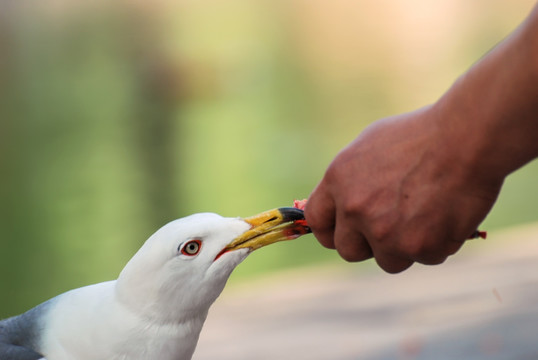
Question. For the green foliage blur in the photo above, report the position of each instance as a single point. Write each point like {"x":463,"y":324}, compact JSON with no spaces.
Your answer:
{"x":117,"y":117}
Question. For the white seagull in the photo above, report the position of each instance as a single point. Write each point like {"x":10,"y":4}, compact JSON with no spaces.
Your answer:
{"x":158,"y":304}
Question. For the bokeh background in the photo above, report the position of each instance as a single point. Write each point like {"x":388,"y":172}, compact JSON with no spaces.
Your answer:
{"x":117,"y":117}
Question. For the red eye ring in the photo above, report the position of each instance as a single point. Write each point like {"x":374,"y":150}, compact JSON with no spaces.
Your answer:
{"x":191,"y":247}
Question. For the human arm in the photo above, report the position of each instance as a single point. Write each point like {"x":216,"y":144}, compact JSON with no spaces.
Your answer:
{"x":413,"y":187}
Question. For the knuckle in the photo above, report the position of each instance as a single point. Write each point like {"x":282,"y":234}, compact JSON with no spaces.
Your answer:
{"x":381,"y":231}
{"x":353,"y":208}
{"x":434,"y":260}
{"x":413,"y":248}
{"x":325,"y":241}
{"x":391,"y":269}
{"x":354,"y":255}
{"x":353,"y":247}
{"x":425,"y":251}
{"x":392,"y":265}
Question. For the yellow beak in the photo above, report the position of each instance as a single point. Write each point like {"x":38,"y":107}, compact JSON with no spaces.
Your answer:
{"x":270,"y":227}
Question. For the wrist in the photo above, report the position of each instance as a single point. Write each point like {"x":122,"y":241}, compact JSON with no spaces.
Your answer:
{"x":462,"y":147}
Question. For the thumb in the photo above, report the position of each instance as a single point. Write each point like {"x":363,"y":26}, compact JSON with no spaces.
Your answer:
{"x":320,"y":215}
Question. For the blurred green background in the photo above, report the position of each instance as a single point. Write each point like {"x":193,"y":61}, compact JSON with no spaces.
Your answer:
{"x":117,"y":117}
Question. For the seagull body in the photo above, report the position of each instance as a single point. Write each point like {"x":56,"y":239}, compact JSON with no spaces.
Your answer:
{"x":157,"y":306}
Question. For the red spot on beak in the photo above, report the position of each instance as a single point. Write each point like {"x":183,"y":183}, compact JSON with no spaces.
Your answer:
{"x":223,"y":251}
{"x":300,"y":204}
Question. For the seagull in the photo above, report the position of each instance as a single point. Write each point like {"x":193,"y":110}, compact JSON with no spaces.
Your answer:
{"x":157,"y":306}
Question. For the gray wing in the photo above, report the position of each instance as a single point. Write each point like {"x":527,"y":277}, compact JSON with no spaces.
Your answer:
{"x":15,"y":352}
{"x":20,"y":335}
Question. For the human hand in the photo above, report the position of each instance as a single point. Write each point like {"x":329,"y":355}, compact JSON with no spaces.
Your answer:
{"x":401,"y":192}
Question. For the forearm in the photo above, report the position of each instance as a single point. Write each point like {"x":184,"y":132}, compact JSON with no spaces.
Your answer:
{"x":490,"y":115}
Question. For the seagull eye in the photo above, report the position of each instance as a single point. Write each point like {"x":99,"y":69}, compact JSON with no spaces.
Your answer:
{"x":192,"y":247}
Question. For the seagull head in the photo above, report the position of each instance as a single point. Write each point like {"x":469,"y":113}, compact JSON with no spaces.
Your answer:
{"x":182,"y":268}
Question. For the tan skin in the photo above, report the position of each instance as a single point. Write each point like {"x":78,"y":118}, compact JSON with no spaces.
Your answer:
{"x":413,"y":187}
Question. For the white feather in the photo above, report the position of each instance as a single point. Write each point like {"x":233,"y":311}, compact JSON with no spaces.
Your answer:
{"x":156,"y":308}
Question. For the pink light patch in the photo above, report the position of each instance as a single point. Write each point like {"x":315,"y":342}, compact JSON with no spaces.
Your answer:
{"x":299,"y":204}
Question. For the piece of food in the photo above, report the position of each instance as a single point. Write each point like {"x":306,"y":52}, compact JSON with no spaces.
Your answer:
{"x":479,"y":234}
{"x":300,"y":204}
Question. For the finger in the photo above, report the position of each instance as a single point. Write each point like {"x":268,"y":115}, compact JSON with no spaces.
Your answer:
{"x":392,"y":264}
{"x":350,"y":243}
{"x":434,"y":250}
{"x":439,"y":257}
{"x":454,"y":247}
{"x":320,"y":215}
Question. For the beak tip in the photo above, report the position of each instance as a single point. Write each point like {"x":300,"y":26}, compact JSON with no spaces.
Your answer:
{"x":291,"y":214}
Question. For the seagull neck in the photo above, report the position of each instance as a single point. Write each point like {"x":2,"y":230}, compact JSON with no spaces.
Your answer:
{"x":152,"y":309}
